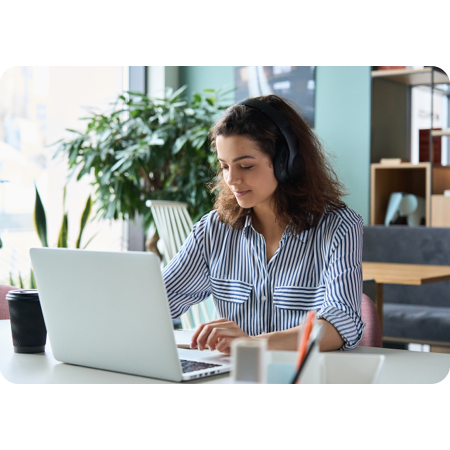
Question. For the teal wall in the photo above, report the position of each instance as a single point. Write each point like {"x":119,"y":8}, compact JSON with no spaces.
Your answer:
{"x":342,"y":120}
{"x":202,"y":77}
{"x":343,"y":96}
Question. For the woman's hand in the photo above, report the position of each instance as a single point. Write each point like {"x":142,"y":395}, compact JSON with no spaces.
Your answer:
{"x":217,"y":334}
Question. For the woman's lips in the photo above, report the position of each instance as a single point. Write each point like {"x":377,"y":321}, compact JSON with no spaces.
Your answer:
{"x":240,"y":193}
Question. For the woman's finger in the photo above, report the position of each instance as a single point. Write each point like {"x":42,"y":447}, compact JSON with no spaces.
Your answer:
{"x":226,"y":331}
{"x":199,"y":330}
{"x":224,"y":346}
{"x":212,"y":331}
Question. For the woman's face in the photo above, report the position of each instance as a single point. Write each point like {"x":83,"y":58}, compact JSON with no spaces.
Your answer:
{"x":247,"y":171}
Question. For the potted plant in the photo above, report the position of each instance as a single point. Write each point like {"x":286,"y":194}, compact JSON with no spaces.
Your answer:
{"x":148,"y":148}
{"x":40,"y":222}
{"x":40,"y":225}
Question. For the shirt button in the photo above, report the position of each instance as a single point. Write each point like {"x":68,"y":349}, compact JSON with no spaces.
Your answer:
{"x":263,"y":298}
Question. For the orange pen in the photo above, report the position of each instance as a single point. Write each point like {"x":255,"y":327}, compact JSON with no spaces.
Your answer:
{"x":304,"y":338}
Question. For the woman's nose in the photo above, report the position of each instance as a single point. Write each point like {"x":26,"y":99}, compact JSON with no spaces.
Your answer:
{"x":233,"y":177}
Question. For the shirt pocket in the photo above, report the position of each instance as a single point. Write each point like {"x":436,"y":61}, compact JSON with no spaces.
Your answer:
{"x":233,"y":291}
{"x":298,"y":297}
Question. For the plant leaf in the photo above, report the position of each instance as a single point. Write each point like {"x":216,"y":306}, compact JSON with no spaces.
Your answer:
{"x":64,"y":198}
{"x":118,"y":164}
{"x":62,"y":239}
{"x":20,"y":281}
{"x":32,"y":280}
{"x":11,"y":281}
{"x":180,"y":141}
{"x":84,"y":218}
{"x":178,"y":92}
{"x":89,"y":241}
{"x":40,"y":222}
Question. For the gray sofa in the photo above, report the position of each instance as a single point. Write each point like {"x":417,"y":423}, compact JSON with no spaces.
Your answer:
{"x":415,"y":313}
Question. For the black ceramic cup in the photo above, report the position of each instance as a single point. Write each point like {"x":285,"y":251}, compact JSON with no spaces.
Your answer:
{"x":28,"y":330}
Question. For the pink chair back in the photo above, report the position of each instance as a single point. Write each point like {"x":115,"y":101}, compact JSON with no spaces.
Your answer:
{"x":372,"y":333}
{"x":4,"y":308}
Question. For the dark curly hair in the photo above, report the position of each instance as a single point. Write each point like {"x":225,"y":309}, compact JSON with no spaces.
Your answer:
{"x":300,"y":203}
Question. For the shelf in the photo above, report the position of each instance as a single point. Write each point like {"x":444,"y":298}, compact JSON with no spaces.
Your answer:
{"x":403,"y":165}
{"x":440,"y":133}
{"x":412,"y":77}
{"x":391,"y":139}
{"x":441,"y":179}
{"x":405,"y":177}
{"x":440,"y":211}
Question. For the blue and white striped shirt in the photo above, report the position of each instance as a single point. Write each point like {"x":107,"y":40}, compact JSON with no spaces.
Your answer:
{"x":318,"y":269}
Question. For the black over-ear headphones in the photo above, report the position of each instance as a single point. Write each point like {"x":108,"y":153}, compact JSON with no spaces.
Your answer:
{"x":288,"y":152}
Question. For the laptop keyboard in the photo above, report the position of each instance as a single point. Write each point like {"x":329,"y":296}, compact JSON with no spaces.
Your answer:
{"x":190,"y":366}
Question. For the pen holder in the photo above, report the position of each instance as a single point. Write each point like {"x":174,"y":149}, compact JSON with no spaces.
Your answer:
{"x":29,"y":333}
{"x":248,"y":359}
{"x":326,"y":368}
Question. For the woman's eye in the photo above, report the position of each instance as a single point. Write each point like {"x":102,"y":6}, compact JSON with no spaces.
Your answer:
{"x":243,"y":168}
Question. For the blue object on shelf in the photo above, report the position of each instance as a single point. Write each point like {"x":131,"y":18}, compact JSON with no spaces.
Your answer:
{"x":406,"y":205}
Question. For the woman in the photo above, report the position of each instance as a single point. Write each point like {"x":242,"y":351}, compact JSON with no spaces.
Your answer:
{"x":280,"y":242}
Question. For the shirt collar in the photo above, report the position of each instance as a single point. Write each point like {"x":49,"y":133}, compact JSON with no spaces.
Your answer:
{"x":303,"y":236}
{"x":248,"y":222}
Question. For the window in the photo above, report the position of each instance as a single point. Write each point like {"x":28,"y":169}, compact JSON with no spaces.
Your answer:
{"x":421,"y":118}
{"x":37,"y":104}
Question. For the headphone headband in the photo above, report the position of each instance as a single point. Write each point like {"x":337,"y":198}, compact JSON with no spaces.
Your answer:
{"x":284,"y":169}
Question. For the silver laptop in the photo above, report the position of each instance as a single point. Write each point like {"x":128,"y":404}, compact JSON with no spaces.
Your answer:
{"x":109,"y":310}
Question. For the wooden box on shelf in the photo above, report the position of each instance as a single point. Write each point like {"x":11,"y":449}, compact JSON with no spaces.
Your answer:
{"x":440,"y":204}
{"x":404,"y":177}
{"x":441,"y":179}
{"x":440,"y":211}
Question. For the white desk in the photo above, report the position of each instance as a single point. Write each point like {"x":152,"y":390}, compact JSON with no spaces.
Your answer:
{"x":400,"y":366}
{"x":44,"y":368}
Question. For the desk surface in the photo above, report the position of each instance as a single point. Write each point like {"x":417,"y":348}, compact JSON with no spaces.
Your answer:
{"x":411,"y":274}
{"x":41,"y":368}
{"x":400,"y":366}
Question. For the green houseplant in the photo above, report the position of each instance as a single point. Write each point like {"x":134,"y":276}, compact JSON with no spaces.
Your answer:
{"x":40,"y":225}
{"x":40,"y":222}
{"x":148,"y":148}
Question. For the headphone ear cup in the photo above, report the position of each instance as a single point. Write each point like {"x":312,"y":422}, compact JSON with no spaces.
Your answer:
{"x":280,"y":164}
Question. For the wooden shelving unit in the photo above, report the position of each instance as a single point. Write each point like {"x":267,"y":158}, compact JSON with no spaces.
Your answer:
{"x":414,"y":179}
{"x":435,"y":133}
{"x":423,"y":179}
{"x":405,"y":177}
{"x":418,"y":77}
{"x":413,"y":77}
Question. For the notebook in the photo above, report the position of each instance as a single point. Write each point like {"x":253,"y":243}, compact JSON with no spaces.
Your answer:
{"x":183,"y":338}
{"x":109,"y":310}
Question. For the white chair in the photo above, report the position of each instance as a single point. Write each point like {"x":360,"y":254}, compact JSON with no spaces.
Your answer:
{"x":174,"y":224}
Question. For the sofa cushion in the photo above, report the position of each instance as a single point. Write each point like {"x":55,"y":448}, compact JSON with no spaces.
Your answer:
{"x":410,"y":245}
{"x":427,"y":323}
